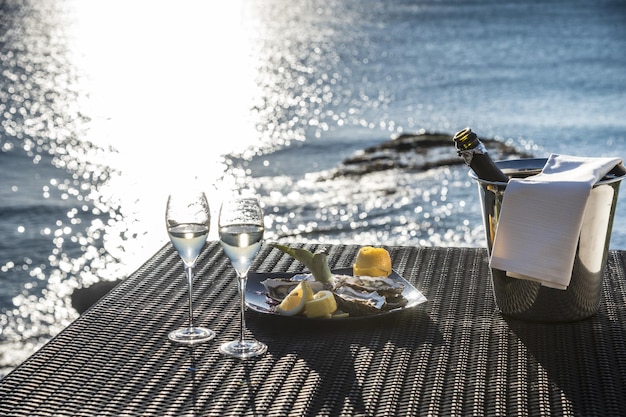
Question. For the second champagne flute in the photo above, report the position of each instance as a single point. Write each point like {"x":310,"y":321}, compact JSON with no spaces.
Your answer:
{"x":241,"y":232}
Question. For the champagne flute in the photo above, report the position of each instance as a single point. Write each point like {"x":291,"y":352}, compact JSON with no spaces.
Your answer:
{"x":241,"y":231}
{"x":188,"y":220}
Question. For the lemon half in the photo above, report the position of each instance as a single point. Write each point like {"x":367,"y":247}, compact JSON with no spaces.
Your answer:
{"x":372,"y":262}
{"x":294,"y":302}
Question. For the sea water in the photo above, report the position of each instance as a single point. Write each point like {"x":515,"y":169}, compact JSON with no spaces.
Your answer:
{"x":105,"y":106}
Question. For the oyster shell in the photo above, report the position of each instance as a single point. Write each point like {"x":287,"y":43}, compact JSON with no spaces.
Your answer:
{"x":358,"y":303}
{"x":278,"y":288}
{"x":362,"y":295}
{"x":381,"y":285}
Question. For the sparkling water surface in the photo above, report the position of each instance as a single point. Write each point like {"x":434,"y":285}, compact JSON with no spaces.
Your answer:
{"x":105,"y":106}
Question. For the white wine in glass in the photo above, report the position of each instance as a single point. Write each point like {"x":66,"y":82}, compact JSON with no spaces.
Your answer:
{"x":188,"y":220}
{"x":241,"y":233}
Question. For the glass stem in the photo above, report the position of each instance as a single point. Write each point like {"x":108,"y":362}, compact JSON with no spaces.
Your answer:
{"x":189,"y":273}
{"x":242,"y":300}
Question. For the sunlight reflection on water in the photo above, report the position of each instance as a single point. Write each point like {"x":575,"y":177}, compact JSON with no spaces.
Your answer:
{"x":171,"y":90}
{"x":147,"y":98}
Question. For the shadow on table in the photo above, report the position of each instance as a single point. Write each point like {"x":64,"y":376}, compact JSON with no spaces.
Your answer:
{"x":579,"y":357}
{"x":194,"y":363}
{"x":329,"y":359}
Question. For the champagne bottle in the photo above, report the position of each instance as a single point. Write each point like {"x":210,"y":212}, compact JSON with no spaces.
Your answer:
{"x":475,"y":155}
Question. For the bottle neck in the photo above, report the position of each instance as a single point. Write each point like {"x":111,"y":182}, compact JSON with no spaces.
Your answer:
{"x":469,"y":153}
{"x":474,"y":154}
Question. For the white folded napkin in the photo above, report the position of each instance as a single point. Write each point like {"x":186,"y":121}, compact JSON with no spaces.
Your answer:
{"x":541,"y":216}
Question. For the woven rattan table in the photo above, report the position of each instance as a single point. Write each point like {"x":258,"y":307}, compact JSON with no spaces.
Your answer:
{"x":454,"y":355}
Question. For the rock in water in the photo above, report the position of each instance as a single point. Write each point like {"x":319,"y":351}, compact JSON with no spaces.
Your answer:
{"x":415,"y":152}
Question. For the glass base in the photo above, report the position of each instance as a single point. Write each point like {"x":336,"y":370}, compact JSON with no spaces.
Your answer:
{"x":243,"y":350}
{"x":191,"y":335}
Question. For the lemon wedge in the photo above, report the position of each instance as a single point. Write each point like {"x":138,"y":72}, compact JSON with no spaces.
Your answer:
{"x":372,"y":262}
{"x":323,"y":304}
{"x":295,"y":301}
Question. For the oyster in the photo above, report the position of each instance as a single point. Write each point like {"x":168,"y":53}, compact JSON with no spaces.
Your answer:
{"x":381,"y":285}
{"x":358,"y":303}
{"x":362,"y":295}
{"x":278,"y":288}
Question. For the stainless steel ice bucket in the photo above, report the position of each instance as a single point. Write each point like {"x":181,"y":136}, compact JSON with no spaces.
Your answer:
{"x":530,"y":300}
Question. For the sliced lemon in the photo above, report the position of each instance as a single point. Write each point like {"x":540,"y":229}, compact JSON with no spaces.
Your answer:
{"x":372,"y":262}
{"x":323,"y":304}
{"x":294,"y":302}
